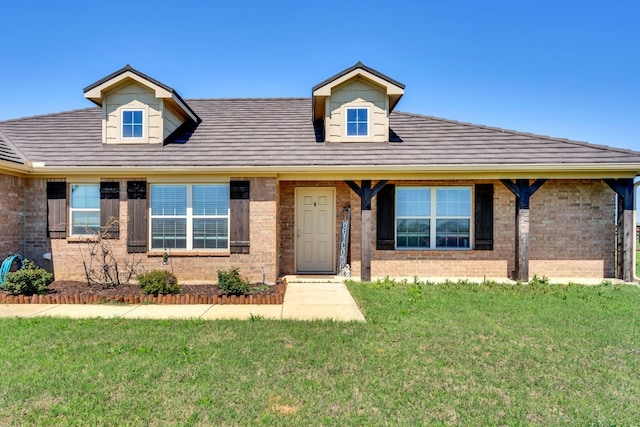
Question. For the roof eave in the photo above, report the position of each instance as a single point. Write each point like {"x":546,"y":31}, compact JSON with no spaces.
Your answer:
{"x":358,"y":65}
{"x":13,"y":167}
{"x":489,"y":171}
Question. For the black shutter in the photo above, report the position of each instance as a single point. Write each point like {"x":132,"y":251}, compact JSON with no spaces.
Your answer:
{"x":239,"y":211}
{"x":57,"y":210}
{"x":385,"y":218}
{"x":110,"y":210}
{"x":137,"y":216}
{"x":484,"y":217}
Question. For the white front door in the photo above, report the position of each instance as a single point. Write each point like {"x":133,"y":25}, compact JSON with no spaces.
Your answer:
{"x":315,"y":230}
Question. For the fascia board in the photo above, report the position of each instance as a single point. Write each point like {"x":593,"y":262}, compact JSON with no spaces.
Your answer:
{"x":14,"y":168}
{"x":326,"y":89}
{"x":96,"y":92}
{"x":560,"y":171}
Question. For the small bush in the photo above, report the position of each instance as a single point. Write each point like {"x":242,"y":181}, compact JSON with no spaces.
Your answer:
{"x":539,"y":281}
{"x":29,"y":280}
{"x":159,"y":282}
{"x":230,"y":282}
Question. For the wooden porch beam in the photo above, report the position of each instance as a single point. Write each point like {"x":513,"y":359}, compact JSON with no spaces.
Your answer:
{"x":523,"y":192}
{"x":626,"y":230}
{"x":366,"y":193}
{"x":623,"y":188}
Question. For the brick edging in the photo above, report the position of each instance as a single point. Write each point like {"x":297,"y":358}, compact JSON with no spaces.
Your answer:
{"x":277,"y":298}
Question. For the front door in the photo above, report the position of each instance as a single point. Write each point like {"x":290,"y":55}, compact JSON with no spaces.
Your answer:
{"x":315,"y":230}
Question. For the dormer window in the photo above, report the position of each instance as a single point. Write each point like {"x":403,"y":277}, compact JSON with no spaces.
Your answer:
{"x":357,"y":121}
{"x":354,"y":105}
{"x":137,"y":109}
{"x":132,"y":123}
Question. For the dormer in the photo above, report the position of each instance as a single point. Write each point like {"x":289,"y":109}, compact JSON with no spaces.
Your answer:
{"x":354,"y":105}
{"x":137,"y":109}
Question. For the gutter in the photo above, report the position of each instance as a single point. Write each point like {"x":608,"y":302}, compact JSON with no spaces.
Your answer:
{"x":311,"y":172}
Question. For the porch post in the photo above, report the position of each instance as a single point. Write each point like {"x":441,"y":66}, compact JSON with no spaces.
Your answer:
{"x":626,"y":234}
{"x":365,"y":245}
{"x":523,"y":217}
{"x":523,"y":192}
{"x":366,"y":193}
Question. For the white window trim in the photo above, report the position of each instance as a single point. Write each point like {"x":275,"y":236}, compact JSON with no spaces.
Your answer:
{"x":142,"y":110}
{"x":72,"y":209}
{"x":189,"y":217}
{"x":346,"y":121}
{"x":433,"y":219}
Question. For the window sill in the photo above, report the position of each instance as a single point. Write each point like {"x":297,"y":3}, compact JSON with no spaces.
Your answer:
{"x":434,"y":249}
{"x":186,"y":253}
{"x":82,"y":239}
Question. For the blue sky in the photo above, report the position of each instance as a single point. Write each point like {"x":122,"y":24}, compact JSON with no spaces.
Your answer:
{"x":563,"y":68}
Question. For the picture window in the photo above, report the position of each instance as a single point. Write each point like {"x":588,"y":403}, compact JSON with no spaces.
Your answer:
{"x":433,"y":217}
{"x":190,"y":216}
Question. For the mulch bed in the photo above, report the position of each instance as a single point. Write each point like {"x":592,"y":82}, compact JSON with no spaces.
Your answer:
{"x":73,"y":292}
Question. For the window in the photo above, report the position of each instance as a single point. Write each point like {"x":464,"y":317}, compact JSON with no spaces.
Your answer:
{"x":433,"y":217}
{"x":190,"y":216}
{"x":132,"y":123}
{"x":85,"y":209}
{"x":413,"y":223}
{"x":357,"y":121}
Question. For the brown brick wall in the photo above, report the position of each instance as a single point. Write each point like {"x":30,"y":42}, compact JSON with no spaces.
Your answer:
{"x":11,"y":215}
{"x":36,"y":242}
{"x":572,"y":234}
{"x":68,"y":255}
{"x":573,"y":229}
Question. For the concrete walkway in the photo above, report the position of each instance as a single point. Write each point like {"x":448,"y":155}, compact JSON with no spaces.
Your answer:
{"x":305,"y":299}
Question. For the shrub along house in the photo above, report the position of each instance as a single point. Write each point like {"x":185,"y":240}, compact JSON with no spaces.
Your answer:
{"x":262,"y":184}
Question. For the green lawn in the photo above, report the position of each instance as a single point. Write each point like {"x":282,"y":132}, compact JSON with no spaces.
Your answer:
{"x":453,"y":354}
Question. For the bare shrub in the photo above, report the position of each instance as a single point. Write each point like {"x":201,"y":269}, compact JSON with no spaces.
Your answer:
{"x":101,"y":264}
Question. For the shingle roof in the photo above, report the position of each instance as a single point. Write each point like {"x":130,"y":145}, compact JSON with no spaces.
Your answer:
{"x":8,"y":151}
{"x":279,"y":133}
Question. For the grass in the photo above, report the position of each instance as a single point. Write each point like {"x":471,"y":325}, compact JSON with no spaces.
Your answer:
{"x":449,"y":354}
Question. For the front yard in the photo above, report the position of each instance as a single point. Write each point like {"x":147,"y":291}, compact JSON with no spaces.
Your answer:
{"x":454,"y":354}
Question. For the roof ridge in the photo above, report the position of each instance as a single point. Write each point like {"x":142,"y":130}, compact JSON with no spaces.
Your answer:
{"x":520,"y":133}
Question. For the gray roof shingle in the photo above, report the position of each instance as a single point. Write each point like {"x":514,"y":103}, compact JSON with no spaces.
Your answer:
{"x":279,"y":133}
{"x":8,"y":152}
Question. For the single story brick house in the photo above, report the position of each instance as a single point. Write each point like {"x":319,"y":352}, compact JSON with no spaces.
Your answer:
{"x":267,"y":185}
